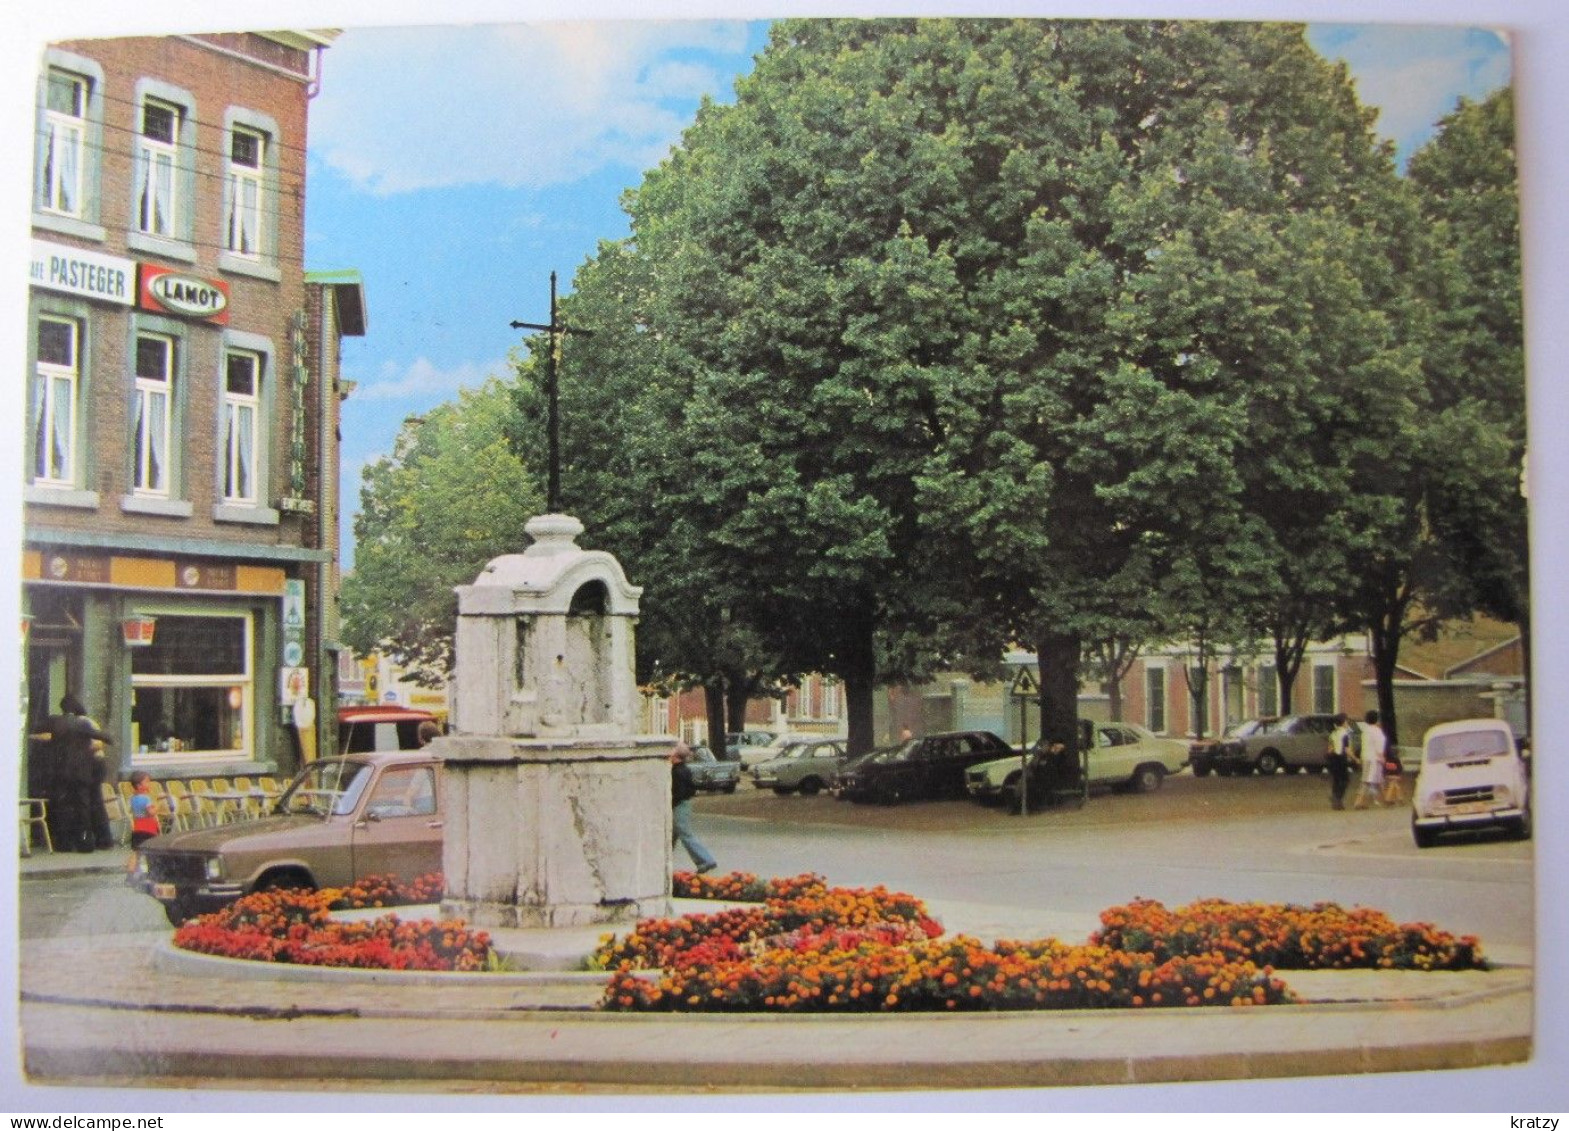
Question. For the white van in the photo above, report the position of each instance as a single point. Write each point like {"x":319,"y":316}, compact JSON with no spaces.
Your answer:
{"x":1472,"y":777}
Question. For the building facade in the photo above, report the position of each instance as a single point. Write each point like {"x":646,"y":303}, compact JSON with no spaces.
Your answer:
{"x":180,"y":496}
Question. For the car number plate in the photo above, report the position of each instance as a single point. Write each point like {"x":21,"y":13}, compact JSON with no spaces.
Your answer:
{"x":164,"y":891}
{"x":1470,"y":807}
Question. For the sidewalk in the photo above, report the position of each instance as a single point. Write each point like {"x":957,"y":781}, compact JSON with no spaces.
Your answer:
{"x":147,"y":1012}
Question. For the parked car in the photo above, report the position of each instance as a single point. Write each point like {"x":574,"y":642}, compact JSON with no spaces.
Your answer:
{"x":712,"y":774}
{"x":1123,"y":755}
{"x":805,"y":766}
{"x":1292,"y":743}
{"x":341,"y":819}
{"x":1472,"y":777}
{"x":750,"y":754}
{"x":927,"y":767}
{"x":1203,"y":753}
{"x":737,"y":741}
{"x":361,"y":729}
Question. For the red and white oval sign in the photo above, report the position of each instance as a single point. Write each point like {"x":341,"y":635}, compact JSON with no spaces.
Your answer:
{"x":189,"y":296}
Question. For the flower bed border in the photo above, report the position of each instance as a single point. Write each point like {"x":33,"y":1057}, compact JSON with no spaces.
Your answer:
{"x":800,"y":946}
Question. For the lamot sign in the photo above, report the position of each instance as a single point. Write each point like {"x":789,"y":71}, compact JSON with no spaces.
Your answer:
{"x":189,"y":296}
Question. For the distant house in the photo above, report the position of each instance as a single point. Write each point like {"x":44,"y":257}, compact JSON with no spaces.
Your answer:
{"x":1474,"y":668}
{"x":814,"y":708}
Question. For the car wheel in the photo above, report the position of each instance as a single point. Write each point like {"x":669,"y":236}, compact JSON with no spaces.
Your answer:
{"x":1013,"y":797}
{"x":285,"y":879}
{"x":811,"y":787}
{"x":890,"y":794}
{"x":178,"y":912}
{"x":1268,"y":762}
{"x":1201,"y":771}
{"x":1424,"y":838}
{"x":1147,"y":779}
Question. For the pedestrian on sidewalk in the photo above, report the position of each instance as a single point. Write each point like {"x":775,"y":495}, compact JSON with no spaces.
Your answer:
{"x":145,"y":822}
{"x":682,"y":789}
{"x":77,"y":766}
{"x":1338,"y":761}
{"x":1374,"y":745}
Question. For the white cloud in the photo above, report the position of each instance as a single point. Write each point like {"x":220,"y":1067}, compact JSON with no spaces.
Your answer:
{"x":516,"y":105}
{"x":1413,"y":74}
{"x":423,"y":381}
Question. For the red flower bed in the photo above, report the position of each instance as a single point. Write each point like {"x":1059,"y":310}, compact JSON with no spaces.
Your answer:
{"x":295,"y":927}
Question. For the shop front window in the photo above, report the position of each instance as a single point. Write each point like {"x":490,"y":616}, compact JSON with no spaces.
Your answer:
{"x":193,"y":689}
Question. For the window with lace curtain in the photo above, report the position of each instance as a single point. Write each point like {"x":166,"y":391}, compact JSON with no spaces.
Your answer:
{"x":52,"y":407}
{"x":241,"y":400}
{"x":152,"y":414}
{"x":242,"y":228}
{"x":156,"y":164}
{"x":64,"y":144}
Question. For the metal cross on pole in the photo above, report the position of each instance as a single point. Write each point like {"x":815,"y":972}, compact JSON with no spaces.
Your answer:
{"x":555,"y":329}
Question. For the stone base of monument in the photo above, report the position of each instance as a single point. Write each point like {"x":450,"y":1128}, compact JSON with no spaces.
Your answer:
{"x":556,"y":833}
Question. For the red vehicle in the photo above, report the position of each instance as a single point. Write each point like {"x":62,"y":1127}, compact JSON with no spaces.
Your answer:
{"x":363,"y":729}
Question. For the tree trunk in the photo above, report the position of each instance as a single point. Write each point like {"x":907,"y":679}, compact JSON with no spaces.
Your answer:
{"x":859,"y":672}
{"x":714,"y":705}
{"x":1059,"y":664}
{"x":738,"y":690}
{"x":1386,"y":655}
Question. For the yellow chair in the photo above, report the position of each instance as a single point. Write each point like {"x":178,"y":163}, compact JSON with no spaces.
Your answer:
{"x":180,"y":811}
{"x":35,"y":813}
{"x":116,"y":810}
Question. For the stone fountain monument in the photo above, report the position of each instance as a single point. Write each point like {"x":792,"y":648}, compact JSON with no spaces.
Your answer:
{"x":558,"y":812}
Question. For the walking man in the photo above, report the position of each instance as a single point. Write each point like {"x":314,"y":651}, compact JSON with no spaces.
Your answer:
{"x":1373,"y":746}
{"x":1338,"y":761}
{"x":682,"y":790}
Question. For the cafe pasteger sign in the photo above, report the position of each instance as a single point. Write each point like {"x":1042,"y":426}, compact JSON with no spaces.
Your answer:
{"x":188,"y":296}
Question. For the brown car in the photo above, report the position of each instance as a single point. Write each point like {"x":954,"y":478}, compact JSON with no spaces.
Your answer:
{"x":340,"y":820}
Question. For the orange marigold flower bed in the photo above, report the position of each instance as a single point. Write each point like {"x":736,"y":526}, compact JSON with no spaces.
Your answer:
{"x":1287,"y":936}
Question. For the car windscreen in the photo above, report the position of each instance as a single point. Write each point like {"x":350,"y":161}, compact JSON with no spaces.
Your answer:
{"x":330,"y":787}
{"x":1469,"y":745}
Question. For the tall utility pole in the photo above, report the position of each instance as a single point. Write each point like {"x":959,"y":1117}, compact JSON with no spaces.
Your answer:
{"x":555,"y":329}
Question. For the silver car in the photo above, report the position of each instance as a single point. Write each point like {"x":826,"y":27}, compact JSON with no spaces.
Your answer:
{"x":807,"y":767}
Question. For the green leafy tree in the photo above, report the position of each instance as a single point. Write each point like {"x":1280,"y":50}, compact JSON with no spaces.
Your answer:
{"x":1439,"y":521}
{"x":973,"y":328}
{"x":452,"y":496}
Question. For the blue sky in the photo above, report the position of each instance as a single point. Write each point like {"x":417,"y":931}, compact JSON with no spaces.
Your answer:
{"x":456,"y":191}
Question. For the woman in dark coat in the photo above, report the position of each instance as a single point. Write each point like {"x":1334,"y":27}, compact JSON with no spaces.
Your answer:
{"x":76,"y":769}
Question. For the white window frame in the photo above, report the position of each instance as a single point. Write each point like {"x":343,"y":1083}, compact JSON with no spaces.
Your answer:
{"x":1268,"y":690}
{"x":239,"y":435}
{"x":158,"y":166}
{"x":830,"y":698}
{"x":1320,"y":706}
{"x":49,"y":378}
{"x":244,"y":681}
{"x":244,"y":196}
{"x":1155,"y":678}
{"x":65,"y":133}
{"x":149,"y":424}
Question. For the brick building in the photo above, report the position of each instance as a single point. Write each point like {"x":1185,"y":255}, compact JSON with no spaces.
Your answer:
{"x":180,"y":503}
